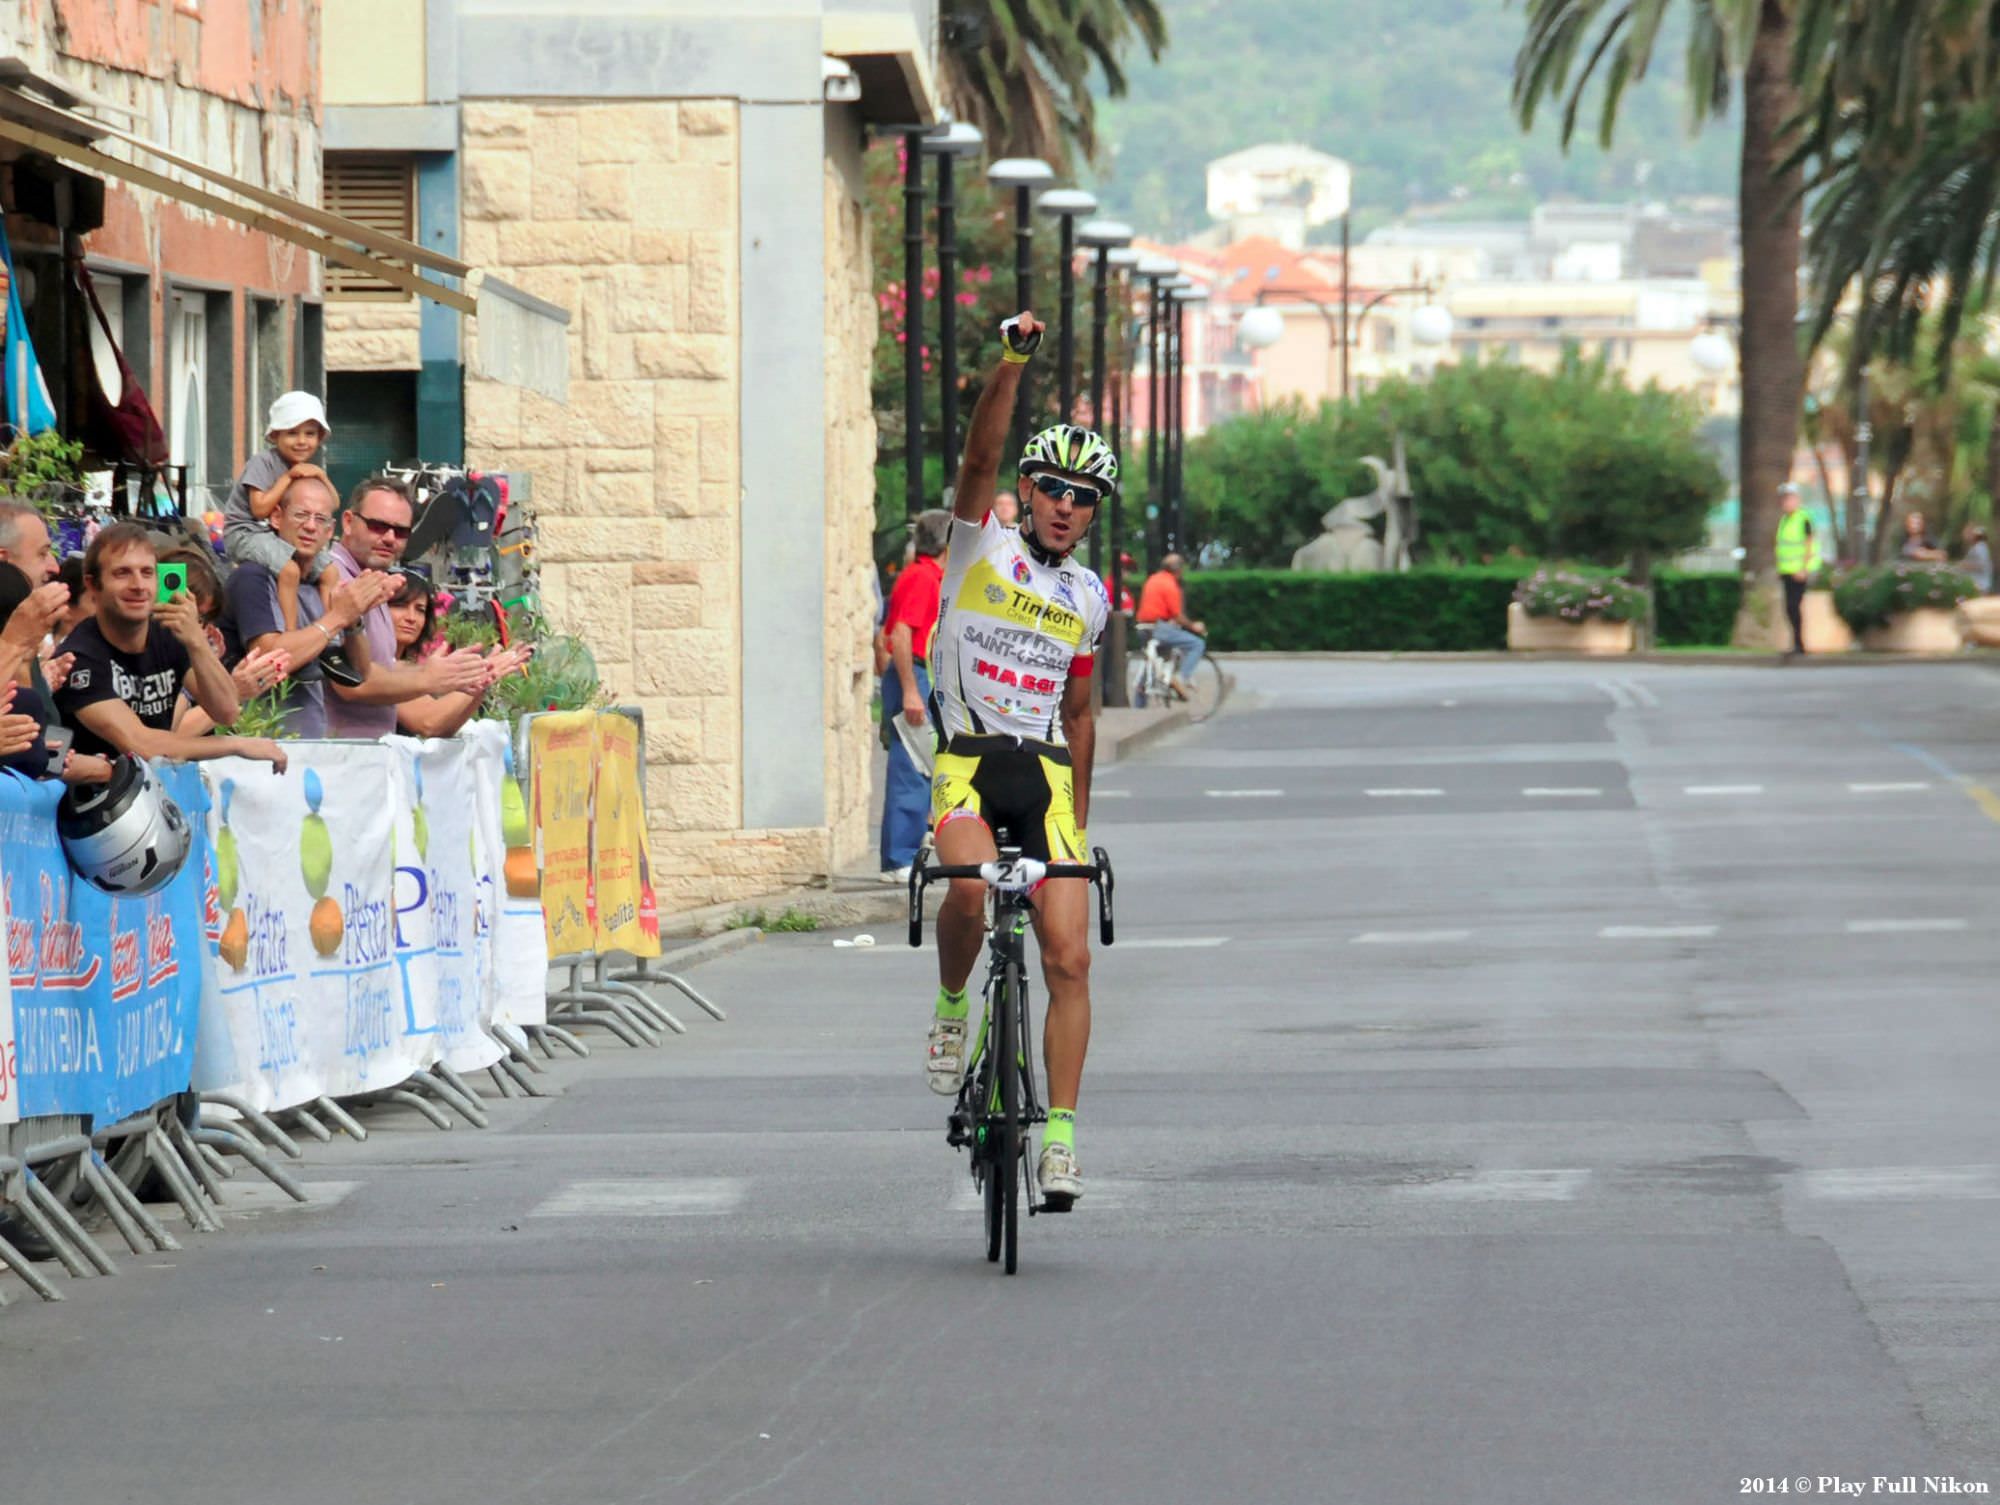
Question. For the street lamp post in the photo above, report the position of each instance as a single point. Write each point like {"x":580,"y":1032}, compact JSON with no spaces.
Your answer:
{"x":1066,"y":204}
{"x":1155,"y":269}
{"x":913,"y":320}
{"x":1184,"y":299}
{"x":1103,"y":237}
{"x":961,"y":140}
{"x":1171,"y":336}
{"x":1262,"y":326}
{"x":1125,"y":260}
{"x":1024,"y":175}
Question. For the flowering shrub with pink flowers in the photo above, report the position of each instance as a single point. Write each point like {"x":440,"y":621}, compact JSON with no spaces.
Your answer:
{"x":1577,"y":598}
{"x":1870,"y":597}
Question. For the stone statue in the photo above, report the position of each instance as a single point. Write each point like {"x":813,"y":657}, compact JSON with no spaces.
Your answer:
{"x":1350,"y":542}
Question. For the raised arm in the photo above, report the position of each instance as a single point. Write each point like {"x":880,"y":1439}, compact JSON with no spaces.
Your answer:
{"x":113,"y":722}
{"x":986,"y":435}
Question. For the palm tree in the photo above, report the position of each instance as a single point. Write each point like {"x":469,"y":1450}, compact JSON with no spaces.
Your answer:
{"x":1903,"y":141}
{"x":1022,"y":70}
{"x":1729,"y":39}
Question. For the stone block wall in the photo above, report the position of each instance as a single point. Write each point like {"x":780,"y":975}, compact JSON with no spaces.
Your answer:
{"x":373,"y":336}
{"x":626,"y":214}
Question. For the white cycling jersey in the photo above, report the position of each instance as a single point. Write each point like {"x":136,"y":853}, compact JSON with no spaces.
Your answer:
{"x":1011,"y":633}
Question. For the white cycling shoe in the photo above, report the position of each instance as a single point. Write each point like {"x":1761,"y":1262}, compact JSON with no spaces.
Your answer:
{"x":1058,"y":1176}
{"x":944,"y":1066}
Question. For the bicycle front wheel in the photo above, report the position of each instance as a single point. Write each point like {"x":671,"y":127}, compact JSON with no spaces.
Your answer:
{"x":1204,"y":691}
{"x":1007,"y":1169}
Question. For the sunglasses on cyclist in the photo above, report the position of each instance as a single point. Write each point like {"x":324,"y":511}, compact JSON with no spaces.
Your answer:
{"x":382,"y":525}
{"x":1055,"y":487}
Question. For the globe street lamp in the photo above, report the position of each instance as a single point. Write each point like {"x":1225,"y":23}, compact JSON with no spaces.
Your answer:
{"x":1263,"y":326}
{"x":1066,"y":204}
{"x":1024,"y":175}
{"x":962,"y":139}
{"x":1102,"y":236}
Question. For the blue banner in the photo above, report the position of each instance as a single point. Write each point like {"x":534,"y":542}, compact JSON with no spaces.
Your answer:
{"x":107,"y":992}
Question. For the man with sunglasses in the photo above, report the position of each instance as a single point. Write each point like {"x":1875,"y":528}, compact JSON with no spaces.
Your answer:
{"x":374,"y":531}
{"x":1011,"y":662}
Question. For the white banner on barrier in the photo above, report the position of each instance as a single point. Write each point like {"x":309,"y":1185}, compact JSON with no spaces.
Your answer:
{"x":307,"y":984}
{"x":520,"y":990}
{"x":442,"y":939}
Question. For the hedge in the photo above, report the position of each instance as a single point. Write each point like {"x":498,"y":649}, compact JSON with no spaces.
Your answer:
{"x":1460,"y":610}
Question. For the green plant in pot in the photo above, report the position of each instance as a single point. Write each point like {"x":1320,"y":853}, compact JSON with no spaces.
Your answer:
{"x":1871,"y":597}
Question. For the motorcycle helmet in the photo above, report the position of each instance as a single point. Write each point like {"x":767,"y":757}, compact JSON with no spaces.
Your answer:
{"x":126,"y":837}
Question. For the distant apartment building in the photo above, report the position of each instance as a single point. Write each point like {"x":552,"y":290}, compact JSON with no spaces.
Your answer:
{"x":214,"y":315}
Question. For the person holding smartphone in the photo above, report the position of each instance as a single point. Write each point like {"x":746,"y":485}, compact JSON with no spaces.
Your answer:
{"x":129,"y":661}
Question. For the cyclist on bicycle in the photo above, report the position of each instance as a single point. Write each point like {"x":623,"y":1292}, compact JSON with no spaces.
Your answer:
{"x":1012,"y":658}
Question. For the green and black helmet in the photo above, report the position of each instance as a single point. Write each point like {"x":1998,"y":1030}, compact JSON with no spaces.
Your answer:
{"x":1073,"y":450}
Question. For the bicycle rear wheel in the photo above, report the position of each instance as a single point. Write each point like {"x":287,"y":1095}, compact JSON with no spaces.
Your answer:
{"x":1204,"y":691}
{"x":1137,"y":682}
{"x":1007,"y":1172}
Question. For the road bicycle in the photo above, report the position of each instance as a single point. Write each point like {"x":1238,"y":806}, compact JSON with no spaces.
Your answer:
{"x":1152,"y":674}
{"x":998,"y":1104}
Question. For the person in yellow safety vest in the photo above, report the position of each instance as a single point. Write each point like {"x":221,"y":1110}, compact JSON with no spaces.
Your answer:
{"x":1797,"y":558}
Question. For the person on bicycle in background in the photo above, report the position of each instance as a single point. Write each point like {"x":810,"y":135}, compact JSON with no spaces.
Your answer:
{"x":1162,"y":608}
{"x":1011,"y":661}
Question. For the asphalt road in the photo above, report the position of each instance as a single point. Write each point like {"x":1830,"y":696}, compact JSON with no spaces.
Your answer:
{"x":1515,"y":1083}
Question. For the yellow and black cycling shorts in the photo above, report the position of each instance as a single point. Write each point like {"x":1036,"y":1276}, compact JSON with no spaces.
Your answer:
{"x":1020,"y":790}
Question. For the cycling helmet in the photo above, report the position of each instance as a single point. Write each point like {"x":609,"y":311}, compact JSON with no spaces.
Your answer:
{"x":126,"y":837}
{"x":1074,"y":450}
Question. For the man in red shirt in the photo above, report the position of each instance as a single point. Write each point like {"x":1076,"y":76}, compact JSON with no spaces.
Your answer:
{"x":1162,"y":608}
{"x":906,"y":687}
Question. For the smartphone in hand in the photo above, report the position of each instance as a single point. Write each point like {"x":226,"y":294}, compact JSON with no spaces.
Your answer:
{"x":173,"y":579}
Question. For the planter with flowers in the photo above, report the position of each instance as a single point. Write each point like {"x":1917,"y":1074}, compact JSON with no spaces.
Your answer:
{"x":1904,"y":607}
{"x":1558,"y":611}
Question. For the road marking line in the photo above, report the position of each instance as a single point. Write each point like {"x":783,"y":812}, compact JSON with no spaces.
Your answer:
{"x":1895,"y":786}
{"x":1724,"y":789}
{"x":1408,"y":937}
{"x":1505,"y":1186}
{"x":1099,"y":1193}
{"x":1900,"y":927}
{"x":1578,"y":793}
{"x":1403,"y":794}
{"x":1110,"y":794}
{"x":1175,"y":943}
{"x":1244,"y":794}
{"x":666,"y":1197}
{"x":1891,"y":1183}
{"x":1655,"y":932}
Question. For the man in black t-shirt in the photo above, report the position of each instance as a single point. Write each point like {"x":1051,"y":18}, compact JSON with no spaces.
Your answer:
{"x":132,"y":658}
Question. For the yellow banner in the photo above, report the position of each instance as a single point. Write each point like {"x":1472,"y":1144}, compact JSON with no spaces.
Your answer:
{"x":628,"y":917}
{"x":562,"y":772}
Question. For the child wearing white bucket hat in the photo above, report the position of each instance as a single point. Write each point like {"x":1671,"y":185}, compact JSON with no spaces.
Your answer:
{"x":296,"y":430}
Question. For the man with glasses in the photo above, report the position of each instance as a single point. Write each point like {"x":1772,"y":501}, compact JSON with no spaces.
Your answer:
{"x":1011,"y":660}
{"x":374,"y":532}
{"x":254,"y":622}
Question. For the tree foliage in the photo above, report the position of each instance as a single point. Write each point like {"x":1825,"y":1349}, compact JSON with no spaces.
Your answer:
{"x":1026,"y":71}
{"x":1901,"y":114}
{"x":1503,"y":461}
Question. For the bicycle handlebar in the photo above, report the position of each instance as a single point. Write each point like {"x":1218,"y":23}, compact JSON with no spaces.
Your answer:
{"x":1098,"y":872}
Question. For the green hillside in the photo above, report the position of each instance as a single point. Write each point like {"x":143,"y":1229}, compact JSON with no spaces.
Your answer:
{"x":1414,"y":93}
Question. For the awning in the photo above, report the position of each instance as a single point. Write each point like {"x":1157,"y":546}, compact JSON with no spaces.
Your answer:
{"x":521,"y":339}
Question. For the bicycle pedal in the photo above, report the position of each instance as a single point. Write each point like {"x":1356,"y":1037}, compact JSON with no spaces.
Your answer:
{"x":958,"y":1129}
{"x":1056,"y":1202}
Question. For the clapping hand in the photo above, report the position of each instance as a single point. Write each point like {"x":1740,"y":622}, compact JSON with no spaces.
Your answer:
{"x":18,"y":732}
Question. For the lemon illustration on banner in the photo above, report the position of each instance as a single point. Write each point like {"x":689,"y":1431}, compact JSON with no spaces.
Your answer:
{"x":234,"y":947}
{"x":316,"y":866}
{"x":524,"y":880}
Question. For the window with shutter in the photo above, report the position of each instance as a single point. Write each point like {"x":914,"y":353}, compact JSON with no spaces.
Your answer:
{"x":379,"y":191}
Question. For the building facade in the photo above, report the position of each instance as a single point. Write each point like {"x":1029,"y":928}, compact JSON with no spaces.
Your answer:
{"x":215,"y":317}
{"x":687,"y":180}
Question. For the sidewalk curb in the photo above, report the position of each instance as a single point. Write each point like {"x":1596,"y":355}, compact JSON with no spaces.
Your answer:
{"x":1112,"y":749}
